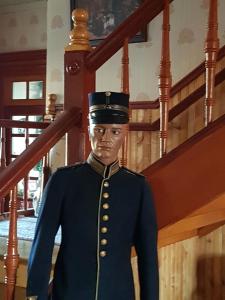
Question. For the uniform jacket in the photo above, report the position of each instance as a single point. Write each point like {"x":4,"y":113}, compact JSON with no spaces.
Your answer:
{"x":103,"y":211}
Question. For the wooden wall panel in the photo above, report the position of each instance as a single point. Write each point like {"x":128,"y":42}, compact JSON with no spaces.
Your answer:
{"x":193,"y":269}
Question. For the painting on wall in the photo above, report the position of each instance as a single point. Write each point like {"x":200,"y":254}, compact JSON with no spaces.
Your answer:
{"x":106,"y":16}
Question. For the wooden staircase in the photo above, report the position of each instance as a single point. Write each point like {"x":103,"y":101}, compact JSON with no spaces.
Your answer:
{"x":188,"y":183}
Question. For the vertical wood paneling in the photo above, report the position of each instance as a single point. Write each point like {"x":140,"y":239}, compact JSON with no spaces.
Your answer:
{"x":193,"y":269}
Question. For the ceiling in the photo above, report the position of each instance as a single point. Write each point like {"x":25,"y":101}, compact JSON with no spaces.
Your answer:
{"x":16,"y":2}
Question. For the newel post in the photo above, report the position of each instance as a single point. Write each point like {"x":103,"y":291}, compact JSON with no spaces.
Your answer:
{"x":79,"y":81}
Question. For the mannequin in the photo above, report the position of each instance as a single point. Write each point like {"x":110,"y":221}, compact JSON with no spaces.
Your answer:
{"x":103,"y":210}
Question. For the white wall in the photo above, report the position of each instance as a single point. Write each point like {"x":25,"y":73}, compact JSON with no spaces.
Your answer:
{"x":188,"y":31}
{"x":58,"y":27}
{"x":23,"y":27}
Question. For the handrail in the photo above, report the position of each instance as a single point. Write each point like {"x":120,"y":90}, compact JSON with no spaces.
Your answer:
{"x":23,"y":124}
{"x":10,"y":176}
{"x":134,"y":23}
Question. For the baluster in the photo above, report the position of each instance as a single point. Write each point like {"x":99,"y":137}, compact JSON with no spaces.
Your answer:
{"x":164,"y":80}
{"x":26,"y":178}
{"x":3,"y":157}
{"x":125,"y":89}
{"x":2,"y":163}
{"x":211,"y":51}
{"x":12,"y":257}
{"x":125,"y":68}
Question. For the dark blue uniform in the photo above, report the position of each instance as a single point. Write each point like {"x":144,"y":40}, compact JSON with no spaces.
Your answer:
{"x":103,"y":211}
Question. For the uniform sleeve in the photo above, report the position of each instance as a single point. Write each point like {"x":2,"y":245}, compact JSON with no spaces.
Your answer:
{"x":146,"y":247}
{"x":39,"y":263}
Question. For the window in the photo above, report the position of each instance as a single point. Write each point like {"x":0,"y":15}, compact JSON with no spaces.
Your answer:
{"x":27,"y":90}
{"x":21,"y":139}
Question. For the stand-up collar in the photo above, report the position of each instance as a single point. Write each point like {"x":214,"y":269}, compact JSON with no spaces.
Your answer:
{"x":100,"y":168}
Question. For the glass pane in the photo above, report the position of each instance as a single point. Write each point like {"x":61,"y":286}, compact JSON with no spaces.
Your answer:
{"x":19,"y":130}
{"x":20,"y":189}
{"x":35,"y":131}
{"x":31,"y":139}
{"x":35,"y":89}
{"x":18,"y":145}
{"x":19,"y":90}
{"x":34,"y":185}
{"x":36,"y":171}
{"x":35,"y":119}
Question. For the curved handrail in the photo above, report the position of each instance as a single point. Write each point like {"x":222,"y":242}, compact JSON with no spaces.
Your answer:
{"x":10,"y":176}
{"x":134,"y":23}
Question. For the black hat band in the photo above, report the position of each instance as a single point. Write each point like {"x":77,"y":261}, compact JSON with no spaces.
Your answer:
{"x":109,"y":106}
{"x":108,"y":117}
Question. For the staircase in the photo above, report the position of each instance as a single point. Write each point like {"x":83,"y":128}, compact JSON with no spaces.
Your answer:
{"x":187,"y":182}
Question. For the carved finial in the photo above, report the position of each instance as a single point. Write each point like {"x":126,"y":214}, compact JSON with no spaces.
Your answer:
{"x":51,"y":107}
{"x":79,"y":36}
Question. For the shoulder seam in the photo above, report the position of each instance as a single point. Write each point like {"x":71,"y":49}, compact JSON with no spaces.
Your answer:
{"x":76,"y":165}
{"x":133,"y":172}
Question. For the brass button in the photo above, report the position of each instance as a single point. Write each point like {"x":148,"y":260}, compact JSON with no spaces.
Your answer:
{"x":105,"y":205}
{"x":105,"y":218}
{"x":106,"y":195}
{"x":103,"y":242}
{"x":106,"y":184}
{"x":104,"y":229}
{"x":102,"y":253}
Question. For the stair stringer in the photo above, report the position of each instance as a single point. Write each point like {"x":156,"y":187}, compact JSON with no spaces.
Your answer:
{"x":189,"y":183}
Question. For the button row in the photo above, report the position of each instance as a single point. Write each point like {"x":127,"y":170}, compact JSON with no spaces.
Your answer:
{"x":105,"y":218}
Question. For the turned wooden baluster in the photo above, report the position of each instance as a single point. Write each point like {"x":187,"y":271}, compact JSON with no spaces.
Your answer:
{"x":26,"y":178}
{"x":2,"y":163}
{"x":211,"y":50}
{"x":164,"y":80}
{"x":3,"y":157}
{"x":125,"y":68}
{"x":12,"y":256}
{"x":125,"y":89}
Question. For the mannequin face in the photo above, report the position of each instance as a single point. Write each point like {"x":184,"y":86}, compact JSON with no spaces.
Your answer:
{"x":106,"y":140}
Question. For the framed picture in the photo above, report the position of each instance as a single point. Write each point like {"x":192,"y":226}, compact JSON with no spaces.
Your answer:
{"x":105,"y":16}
